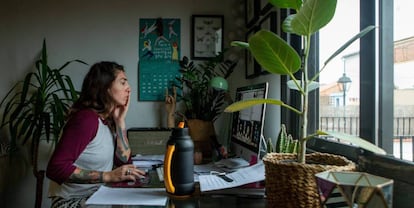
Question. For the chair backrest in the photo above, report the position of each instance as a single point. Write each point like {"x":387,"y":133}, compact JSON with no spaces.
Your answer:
{"x":148,"y":141}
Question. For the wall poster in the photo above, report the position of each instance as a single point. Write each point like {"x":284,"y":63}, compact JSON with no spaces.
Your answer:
{"x":159,"y":56}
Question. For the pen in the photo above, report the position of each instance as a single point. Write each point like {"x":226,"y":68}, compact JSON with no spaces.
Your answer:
{"x":224,"y":177}
{"x":221,"y":175}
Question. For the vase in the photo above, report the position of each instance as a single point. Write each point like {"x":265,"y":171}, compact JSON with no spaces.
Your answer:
{"x":292,"y":184}
{"x":201,"y":133}
{"x":14,"y":166}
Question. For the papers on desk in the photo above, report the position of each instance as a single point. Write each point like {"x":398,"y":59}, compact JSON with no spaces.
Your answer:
{"x":147,"y":161}
{"x":148,"y":157}
{"x":242,"y":176}
{"x":129,"y":196}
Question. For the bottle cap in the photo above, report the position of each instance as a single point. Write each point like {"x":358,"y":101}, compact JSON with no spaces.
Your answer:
{"x":181,"y":124}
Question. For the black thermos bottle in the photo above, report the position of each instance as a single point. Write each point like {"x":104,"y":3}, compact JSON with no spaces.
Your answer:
{"x":179,"y":163}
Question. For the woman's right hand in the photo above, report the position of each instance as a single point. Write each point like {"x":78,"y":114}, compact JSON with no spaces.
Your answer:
{"x":123,"y":173}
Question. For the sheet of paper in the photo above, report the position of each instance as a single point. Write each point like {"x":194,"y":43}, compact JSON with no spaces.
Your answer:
{"x":129,"y":196}
{"x":206,"y":168}
{"x":240,"y":177}
{"x":148,"y":157}
{"x":146,"y":163}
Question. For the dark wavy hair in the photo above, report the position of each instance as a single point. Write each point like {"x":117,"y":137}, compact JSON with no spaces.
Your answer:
{"x":94,"y":94}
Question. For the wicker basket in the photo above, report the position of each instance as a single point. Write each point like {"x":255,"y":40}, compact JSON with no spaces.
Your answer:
{"x":292,"y":184}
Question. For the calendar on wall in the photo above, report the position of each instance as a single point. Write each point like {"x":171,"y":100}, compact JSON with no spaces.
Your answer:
{"x":159,"y":56}
{"x":155,"y":78}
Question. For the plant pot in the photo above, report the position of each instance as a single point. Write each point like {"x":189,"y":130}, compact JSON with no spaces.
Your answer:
{"x":201,"y":133}
{"x":14,"y":167}
{"x":292,"y":184}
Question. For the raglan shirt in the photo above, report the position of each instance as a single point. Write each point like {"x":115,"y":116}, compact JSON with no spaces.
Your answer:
{"x":86,"y":142}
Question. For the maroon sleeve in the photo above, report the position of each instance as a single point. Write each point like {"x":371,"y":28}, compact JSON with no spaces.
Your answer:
{"x":80,"y":129}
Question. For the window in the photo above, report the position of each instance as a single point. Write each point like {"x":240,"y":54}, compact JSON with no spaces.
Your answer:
{"x":340,"y":79}
{"x":350,"y":110}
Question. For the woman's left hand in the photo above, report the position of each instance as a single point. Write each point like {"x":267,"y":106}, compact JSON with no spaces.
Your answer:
{"x":124,"y":173}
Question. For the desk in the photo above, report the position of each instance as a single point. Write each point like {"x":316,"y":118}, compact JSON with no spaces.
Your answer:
{"x":203,"y":200}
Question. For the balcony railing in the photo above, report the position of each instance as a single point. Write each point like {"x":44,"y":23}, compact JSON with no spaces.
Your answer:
{"x":403,"y":145}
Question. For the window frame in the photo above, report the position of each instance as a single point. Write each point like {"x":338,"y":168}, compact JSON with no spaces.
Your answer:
{"x":376,"y":93}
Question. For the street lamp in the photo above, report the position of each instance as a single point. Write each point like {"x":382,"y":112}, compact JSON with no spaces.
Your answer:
{"x":344,"y":83}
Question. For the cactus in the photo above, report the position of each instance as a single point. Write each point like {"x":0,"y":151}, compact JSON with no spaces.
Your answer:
{"x":269,"y":146}
{"x":285,"y":142}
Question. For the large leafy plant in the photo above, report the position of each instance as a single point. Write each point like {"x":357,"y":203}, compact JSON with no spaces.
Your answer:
{"x":35,"y":108}
{"x":276,"y":56}
{"x":201,"y":100}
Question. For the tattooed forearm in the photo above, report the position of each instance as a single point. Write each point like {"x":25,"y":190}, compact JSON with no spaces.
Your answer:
{"x":86,"y":176}
{"x":122,"y":151}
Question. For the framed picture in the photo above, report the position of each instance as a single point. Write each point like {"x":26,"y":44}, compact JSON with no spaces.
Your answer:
{"x":252,"y":12}
{"x":265,"y":6}
{"x":269,"y":22}
{"x":207,"y":36}
{"x":252,"y":67}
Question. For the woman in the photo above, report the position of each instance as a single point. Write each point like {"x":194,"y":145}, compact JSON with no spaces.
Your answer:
{"x":93,"y":148}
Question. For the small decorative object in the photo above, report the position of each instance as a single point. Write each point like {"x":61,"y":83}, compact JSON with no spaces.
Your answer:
{"x":207,"y":36}
{"x":170,"y":106}
{"x":198,"y":157}
{"x":354,"y":189}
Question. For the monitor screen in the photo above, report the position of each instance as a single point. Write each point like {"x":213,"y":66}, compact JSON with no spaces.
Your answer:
{"x":247,"y":124}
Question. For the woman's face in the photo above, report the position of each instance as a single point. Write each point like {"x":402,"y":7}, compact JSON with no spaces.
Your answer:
{"x":120,"y":89}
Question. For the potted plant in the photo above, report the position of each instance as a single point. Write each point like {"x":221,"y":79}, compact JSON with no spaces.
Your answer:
{"x":205,"y":95}
{"x":276,"y":56}
{"x":34,"y":109}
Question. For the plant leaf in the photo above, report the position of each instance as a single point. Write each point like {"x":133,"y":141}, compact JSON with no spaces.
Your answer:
{"x":312,"y":16}
{"x":273,"y":53}
{"x":240,"y":44}
{"x":287,"y":4}
{"x":349,"y":42}
{"x":240,"y":105}
{"x":311,"y":86}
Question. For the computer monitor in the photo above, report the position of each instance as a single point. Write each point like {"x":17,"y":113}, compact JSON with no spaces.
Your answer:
{"x":247,"y":124}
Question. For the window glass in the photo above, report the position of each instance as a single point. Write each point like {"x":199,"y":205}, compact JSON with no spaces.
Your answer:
{"x":339,"y":89}
{"x":339,"y":106}
{"x":403,"y":79}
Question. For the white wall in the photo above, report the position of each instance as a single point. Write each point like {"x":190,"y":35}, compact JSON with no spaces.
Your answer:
{"x":96,"y":30}
{"x":92,"y":31}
